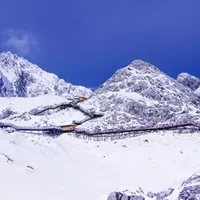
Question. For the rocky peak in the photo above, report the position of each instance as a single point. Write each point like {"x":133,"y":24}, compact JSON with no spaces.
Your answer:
{"x":146,"y":80}
{"x":132,"y":72}
{"x":19,"y":77}
{"x":141,"y":94}
{"x":188,"y":80}
{"x":144,"y":67}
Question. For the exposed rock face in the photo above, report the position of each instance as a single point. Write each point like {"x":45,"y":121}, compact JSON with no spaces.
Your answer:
{"x":127,"y":195}
{"x":189,"y":190}
{"x":6,"y":87}
{"x":20,"y":78}
{"x":190,"y":193}
{"x":123,"y":196}
{"x":140,"y":195}
{"x":190,"y":81}
{"x":141,"y":94}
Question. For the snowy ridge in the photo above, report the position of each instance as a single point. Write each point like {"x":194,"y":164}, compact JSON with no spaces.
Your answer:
{"x":20,"y":78}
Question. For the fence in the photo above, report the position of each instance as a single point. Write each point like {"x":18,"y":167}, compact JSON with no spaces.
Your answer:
{"x":127,"y":133}
{"x":110,"y":134}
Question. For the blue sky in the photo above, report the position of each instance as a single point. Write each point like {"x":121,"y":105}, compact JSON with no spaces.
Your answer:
{"x":86,"y":41}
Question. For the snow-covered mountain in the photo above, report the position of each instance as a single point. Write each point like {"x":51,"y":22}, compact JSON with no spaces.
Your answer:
{"x":20,"y":78}
{"x":36,"y":166}
{"x":140,"y":94}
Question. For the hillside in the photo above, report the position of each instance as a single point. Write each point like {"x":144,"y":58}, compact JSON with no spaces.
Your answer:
{"x":141,"y":94}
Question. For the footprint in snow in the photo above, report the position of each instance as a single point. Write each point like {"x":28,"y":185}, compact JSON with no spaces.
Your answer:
{"x":30,"y":168}
{"x":8,"y":159}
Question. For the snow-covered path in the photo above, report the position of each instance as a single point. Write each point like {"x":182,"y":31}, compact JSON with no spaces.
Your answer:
{"x":39,"y":167}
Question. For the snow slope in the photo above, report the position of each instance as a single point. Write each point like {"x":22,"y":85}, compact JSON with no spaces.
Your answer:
{"x":20,"y":78}
{"x":38,"y":167}
{"x":18,"y":111}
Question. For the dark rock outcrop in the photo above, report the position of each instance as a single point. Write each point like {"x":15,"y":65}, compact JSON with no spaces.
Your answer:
{"x":189,"y":190}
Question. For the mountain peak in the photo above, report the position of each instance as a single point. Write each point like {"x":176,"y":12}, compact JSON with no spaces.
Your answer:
{"x":21,"y":78}
{"x":9,"y":55}
{"x":141,"y":94}
{"x":143,"y":66}
{"x":138,"y":76}
{"x":138,"y":62}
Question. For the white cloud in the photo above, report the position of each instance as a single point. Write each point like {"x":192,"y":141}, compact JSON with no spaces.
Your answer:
{"x":20,"y":42}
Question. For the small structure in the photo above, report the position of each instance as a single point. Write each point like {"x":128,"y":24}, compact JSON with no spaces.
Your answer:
{"x":67,"y":128}
{"x":80,"y":99}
